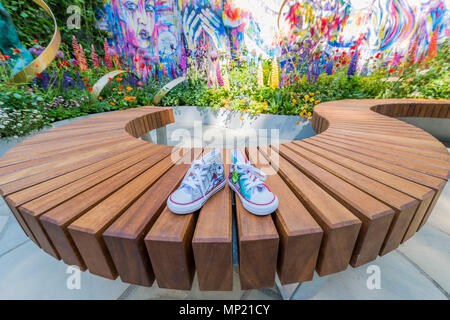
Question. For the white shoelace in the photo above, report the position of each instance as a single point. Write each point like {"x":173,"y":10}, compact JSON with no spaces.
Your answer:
{"x":254,"y":176}
{"x":194,"y":176}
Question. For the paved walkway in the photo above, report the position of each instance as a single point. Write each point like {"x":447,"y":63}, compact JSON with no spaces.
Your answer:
{"x":419,"y":269}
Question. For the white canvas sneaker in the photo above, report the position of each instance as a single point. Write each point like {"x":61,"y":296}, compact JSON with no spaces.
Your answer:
{"x":248,"y":183}
{"x":204,"y":178}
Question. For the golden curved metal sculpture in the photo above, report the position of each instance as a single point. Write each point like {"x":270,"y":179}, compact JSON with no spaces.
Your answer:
{"x":278,"y":25}
{"x":169,"y":86}
{"x":103,"y":81}
{"x":44,"y":59}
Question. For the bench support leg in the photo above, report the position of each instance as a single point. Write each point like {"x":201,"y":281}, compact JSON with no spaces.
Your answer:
{"x":301,"y":290}
{"x":146,"y":137}
{"x":161,"y":135}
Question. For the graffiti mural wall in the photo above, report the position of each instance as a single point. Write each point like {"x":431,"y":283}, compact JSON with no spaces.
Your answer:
{"x":155,"y":38}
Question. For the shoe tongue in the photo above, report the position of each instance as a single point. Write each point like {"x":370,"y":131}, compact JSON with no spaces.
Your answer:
{"x":238,"y":156}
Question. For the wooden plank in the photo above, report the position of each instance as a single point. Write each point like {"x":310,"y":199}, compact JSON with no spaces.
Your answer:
{"x":56,"y":217}
{"x":258,"y":248}
{"x":169,"y":245}
{"x":20,"y":197}
{"x":340,"y":226}
{"x":406,"y":150}
{"x":43,"y":152}
{"x":300,"y":235}
{"x":376,"y":217}
{"x":212,"y":240}
{"x":61,"y":169}
{"x":87,"y":230}
{"x":410,"y":164}
{"x":443,"y":164}
{"x":125,"y":237}
{"x":54,"y":159}
{"x":73,"y":162}
{"x":419,"y":192}
{"x":403,"y":205}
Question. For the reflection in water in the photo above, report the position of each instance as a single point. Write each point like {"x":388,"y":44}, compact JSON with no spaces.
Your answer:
{"x":198,"y":135}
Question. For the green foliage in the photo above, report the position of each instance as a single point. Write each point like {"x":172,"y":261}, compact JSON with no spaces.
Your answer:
{"x":32,"y":22}
{"x":429,"y":79}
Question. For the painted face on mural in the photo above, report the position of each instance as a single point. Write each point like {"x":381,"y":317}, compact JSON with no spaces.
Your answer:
{"x":139,"y":16}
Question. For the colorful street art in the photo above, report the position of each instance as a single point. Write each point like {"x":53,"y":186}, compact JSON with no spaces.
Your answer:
{"x":159,"y":38}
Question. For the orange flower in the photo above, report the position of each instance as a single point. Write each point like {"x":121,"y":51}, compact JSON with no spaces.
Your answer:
{"x":120,"y":88}
{"x":112,"y":103}
{"x":119,"y":79}
{"x":129,"y":88}
{"x":129,"y":98}
{"x":100,"y":98}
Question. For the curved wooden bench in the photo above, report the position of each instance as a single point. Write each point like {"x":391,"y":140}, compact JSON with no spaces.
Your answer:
{"x":93,"y":195}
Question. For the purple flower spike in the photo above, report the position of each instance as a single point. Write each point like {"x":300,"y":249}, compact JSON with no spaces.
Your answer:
{"x":352,"y":65}
{"x":329,"y":67}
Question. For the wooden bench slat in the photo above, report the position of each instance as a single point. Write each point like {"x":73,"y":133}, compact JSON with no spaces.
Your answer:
{"x":382,"y":149}
{"x":340,"y":226}
{"x":376,"y":217}
{"x":22,"y":196}
{"x":300,"y":235}
{"x":169,"y":245}
{"x":258,"y":248}
{"x":212,"y":240}
{"x":404,"y":206}
{"x":43,"y":152}
{"x":125,"y":237}
{"x":59,"y":217}
{"x":424,"y":168}
{"x":73,"y":162}
{"x":419,"y":192}
{"x":58,"y":170}
{"x":56,"y":158}
{"x":412,"y":151}
{"x":87,"y":230}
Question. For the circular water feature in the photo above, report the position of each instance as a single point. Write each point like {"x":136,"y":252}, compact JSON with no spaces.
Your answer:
{"x":223,"y":128}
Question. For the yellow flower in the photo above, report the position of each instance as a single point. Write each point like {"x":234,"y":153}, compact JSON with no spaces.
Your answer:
{"x":294,"y":101}
{"x":241,"y":118}
{"x":119,"y":92}
{"x":311,"y":94}
{"x":129,"y":88}
{"x":318,"y":92}
{"x":309,"y":118}
{"x":298,"y":122}
{"x":312,"y":99}
{"x":317,"y":101}
{"x":306,"y":97}
{"x":309,"y":114}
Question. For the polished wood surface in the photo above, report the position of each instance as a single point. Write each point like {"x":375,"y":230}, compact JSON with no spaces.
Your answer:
{"x":92,"y":194}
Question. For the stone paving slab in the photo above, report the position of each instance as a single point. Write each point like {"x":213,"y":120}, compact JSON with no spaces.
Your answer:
{"x":399,"y":280}
{"x":28,"y":273}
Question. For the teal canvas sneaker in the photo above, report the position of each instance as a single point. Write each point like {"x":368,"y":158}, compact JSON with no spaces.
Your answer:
{"x":248,"y":183}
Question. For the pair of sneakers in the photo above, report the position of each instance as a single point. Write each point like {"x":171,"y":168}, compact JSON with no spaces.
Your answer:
{"x":207,"y":176}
